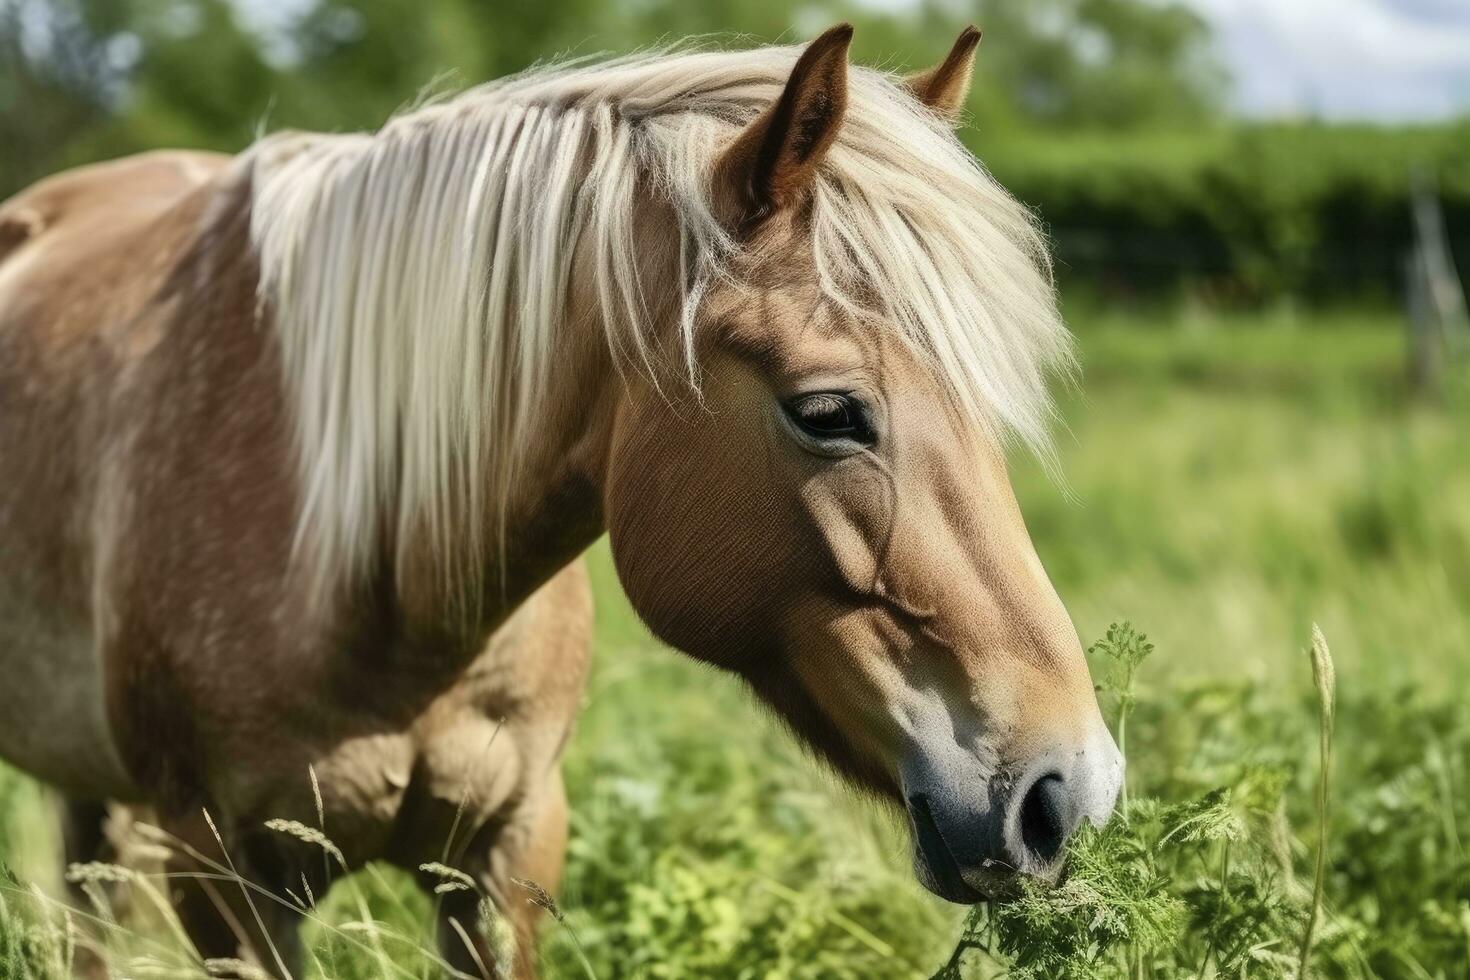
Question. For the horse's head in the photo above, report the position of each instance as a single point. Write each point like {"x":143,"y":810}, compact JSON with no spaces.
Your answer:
{"x":828,"y":520}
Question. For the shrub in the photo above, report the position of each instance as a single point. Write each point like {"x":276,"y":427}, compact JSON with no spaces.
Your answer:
{"x":1246,"y":213}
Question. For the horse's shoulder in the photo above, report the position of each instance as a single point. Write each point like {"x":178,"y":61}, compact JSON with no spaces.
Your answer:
{"x":18,"y":225}
{"x":107,"y":193}
{"x":154,"y":173}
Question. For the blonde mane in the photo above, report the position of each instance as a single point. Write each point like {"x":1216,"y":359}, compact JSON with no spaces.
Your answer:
{"x":418,"y":276}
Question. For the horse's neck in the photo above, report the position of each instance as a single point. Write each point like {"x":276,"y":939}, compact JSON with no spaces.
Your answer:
{"x":554,"y":510}
{"x":463,"y":527}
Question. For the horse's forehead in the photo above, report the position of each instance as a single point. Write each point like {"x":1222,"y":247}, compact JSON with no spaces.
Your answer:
{"x":800,"y":330}
{"x":779,"y":291}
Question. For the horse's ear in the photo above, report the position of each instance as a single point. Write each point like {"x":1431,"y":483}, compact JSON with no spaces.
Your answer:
{"x":944,"y":87}
{"x":772,"y":160}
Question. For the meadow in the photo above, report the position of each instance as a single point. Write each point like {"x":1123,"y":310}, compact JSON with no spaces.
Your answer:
{"x":1227,"y":481}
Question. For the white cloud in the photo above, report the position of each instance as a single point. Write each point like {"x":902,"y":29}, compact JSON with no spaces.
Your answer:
{"x":1346,"y":59}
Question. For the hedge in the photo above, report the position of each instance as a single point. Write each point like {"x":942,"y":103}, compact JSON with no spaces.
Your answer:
{"x":1249,"y":212}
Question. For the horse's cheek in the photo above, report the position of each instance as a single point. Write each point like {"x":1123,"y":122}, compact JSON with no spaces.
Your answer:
{"x":696,"y":522}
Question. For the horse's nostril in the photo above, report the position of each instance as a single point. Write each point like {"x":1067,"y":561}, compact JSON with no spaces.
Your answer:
{"x":1044,"y":817}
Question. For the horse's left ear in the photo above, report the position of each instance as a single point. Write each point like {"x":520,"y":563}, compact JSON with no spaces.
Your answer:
{"x":944,"y":87}
{"x":774,"y":158}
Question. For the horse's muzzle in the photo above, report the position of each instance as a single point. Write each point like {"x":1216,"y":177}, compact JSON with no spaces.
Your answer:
{"x":976,"y":842}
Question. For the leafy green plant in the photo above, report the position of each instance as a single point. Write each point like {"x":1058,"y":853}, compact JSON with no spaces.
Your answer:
{"x":1202,"y":887}
{"x":1126,"y":649}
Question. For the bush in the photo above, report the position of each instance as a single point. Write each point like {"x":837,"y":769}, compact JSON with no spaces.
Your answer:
{"x":1246,"y":213}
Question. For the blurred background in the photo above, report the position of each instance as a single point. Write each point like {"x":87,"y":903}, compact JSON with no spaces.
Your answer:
{"x":1258,"y":209}
{"x":1233,"y":151}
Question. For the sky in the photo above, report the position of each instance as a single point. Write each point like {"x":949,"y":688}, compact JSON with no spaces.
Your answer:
{"x":1381,"y":60}
{"x":1387,"y":60}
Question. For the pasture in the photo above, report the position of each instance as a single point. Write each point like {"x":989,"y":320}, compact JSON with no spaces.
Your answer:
{"x":1227,"y":481}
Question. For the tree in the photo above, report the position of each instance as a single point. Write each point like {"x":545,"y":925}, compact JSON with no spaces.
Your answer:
{"x":85,"y":79}
{"x":62,"y":69}
{"x":1113,"y":64}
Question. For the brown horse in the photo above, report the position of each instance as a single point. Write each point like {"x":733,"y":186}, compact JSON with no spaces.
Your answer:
{"x":287,"y":437}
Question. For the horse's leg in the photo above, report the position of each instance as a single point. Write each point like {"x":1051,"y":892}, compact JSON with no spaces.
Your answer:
{"x":538,"y":861}
{"x":531,"y":849}
{"x":234,"y":905}
{"x":84,"y":840}
{"x":517,"y":807}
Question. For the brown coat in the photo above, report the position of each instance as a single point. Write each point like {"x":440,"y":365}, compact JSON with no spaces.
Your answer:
{"x":145,"y":520}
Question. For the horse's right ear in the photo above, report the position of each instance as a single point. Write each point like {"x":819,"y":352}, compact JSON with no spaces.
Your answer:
{"x":944,"y":87}
{"x":774,"y":158}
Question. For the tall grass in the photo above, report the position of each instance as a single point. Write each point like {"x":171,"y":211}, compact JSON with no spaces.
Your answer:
{"x":1233,"y":480}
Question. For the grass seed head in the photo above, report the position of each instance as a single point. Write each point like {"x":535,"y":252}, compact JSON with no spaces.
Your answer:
{"x":308,"y":835}
{"x":450,"y":879}
{"x":1324,"y":672}
{"x":541,"y":898}
{"x":229,"y":967}
{"x":83,"y":872}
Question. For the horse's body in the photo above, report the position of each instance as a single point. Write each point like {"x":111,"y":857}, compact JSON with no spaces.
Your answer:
{"x":150,"y":652}
{"x":291,"y":441}
{"x":75,"y":326}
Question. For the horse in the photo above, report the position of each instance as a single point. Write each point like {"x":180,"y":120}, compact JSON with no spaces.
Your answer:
{"x":302,"y":446}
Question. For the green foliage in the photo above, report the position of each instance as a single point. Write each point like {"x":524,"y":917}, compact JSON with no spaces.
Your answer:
{"x":1244,"y":212}
{"x":1210,"y":468}
{"x":1104,"y":114}
{"x":699,"y":848}
{"x":1217,"y":885}
{"x":1125,"y":649}
{"x":1095,"y":65}
{"x":1114,"y":895}
{"x":32,"y":947}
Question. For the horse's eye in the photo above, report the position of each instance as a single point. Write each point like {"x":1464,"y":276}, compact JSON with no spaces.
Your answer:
{"x":830,"y":415}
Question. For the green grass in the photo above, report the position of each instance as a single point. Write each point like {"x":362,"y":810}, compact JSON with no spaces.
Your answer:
{"x":1228,"y":483}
